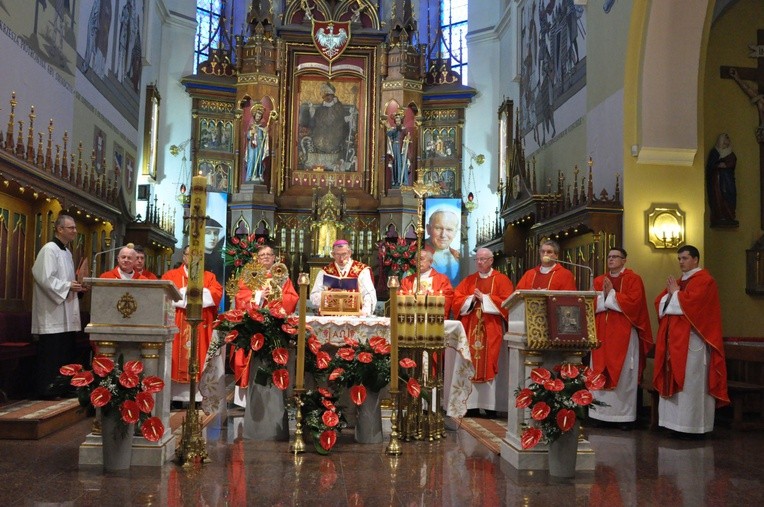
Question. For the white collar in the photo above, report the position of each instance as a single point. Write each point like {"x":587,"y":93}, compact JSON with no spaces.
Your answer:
{"x":485,"y":275}
{"x":617,"y":274}
{"x":125,"y":276}
{"x":544,"y":270}
{"x":691,"y":272}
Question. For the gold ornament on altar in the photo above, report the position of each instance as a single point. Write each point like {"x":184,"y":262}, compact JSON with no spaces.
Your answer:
{"x":127,"y":305}
{"x":256,"y":277}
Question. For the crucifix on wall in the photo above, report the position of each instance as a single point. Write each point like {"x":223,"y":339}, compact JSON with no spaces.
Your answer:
{"x":743,"y":76}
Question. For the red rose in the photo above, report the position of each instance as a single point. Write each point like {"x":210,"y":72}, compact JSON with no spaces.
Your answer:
{"x":235,"y":240}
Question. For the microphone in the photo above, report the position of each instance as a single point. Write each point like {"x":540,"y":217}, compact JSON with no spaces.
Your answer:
{"x":95,"y":256}
{"x":546,"y":258}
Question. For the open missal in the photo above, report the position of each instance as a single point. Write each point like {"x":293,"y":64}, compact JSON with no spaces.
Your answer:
{"x":336,"y":283}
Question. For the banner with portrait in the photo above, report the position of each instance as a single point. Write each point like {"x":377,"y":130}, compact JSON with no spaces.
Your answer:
{"x":215,"y":235}
{"x":443,"y":235}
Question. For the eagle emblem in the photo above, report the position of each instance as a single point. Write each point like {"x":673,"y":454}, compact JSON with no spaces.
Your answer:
{"x":331,"y":38}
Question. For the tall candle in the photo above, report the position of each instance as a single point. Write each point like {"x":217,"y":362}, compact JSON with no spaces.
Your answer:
{"x":197,"y":222}
{"x":392,"y":284}
{"x":302,"y":281}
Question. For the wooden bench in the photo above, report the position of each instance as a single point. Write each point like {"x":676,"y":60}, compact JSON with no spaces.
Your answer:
{"x":16,"y":344}
{"x":745,"y":383}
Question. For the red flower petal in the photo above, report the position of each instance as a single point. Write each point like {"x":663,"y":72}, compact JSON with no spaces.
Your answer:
{"x":323,"y":359}
{"x":234,"y":315}
{"x":256,"y":315}
{"x":102,"y":365}
{"x":566,"y":418}
{"x":365,"y":357}
{"x":288,"y":329}
{"x":413,"y":387}
{"x":280,"y":355}
{"x":152,"y":429}
{"x":257,"y":341}
{"x":327,"y":403}
{"x":276,"y":309}
{"x":336,"y":373}
{"x":583,"y":397}
{"x":327,"y":439}
{"x":540,"y":375}
{"x":128,"y":380}
{"x":555,"y":385}
{"x":346,"y":353}
{"x":130,"y":411}
{"x":352,"y":342}
{"x":595,"y":382}
{"x":82,"y":379}
{"x":326,"y":393}
{"x":382,"y":349}
{"x":524,"y":398}
{"x":281,"y":379}
{"x":530,"y":438}
{"x":540,"y":411}
{"x":231,"y":337}
{"x":314,"y":345}
{"x":100,"y":397}
{"x":330,"y":418}
{"x":376,"y":341}
{"x":70,"y":369}
{"x":358,"y":394}
{"x":152,"y":384}
{"x":135,"y":367}
{"x":568,"y":371}
{"x":407,"y":362}
{"x":145,"y":402}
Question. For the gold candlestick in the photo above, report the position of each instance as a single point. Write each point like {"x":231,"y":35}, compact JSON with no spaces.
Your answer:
{"x":394,"y":447}
{"x":298,"y":444}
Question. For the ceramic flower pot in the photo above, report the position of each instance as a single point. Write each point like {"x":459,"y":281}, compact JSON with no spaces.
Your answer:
{"x":265,"y":416}
{"x":117,"y":442}
{"x":368,"y":426}
{"x":563,"y":453}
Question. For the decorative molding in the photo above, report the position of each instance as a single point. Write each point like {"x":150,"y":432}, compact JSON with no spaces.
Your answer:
{"x":667,"y":156}
{"x":215,"y":106}
{"x":406,"y":84}
{"x":441,"y":114}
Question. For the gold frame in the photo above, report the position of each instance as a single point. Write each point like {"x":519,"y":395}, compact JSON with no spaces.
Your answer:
{"x":151,"y":132}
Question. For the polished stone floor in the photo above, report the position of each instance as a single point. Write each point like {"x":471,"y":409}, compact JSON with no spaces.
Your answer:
{"x":639,"y":467}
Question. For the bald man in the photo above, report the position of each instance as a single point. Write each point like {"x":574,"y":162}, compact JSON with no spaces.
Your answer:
{"x":125,"y":269}
{"x":345,"y":274}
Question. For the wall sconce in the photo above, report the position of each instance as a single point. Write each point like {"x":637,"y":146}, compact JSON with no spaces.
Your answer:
{"x":665,"y":226}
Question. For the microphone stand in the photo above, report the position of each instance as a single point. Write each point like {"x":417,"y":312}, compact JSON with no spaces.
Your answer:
{"x":95,"y":256}
{"x":591,"y":271}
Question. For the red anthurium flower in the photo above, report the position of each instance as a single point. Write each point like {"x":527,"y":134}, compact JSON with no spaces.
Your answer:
{"x":407,"y":362}
{"x":351,"y":342}
{"x":566,"y":418}
{"x":234,"y":315}
{"x":413,"y":387}
{"x":327,"y":403}
{"x":152,"y":384}
{"x":256,"y":315}
{"x":555,"y":385}
{"x":145,"y":402}
{"x":257,"y":341}
{"x":540,"y":411}
{"x":277,"y":310}
{"x":330,"y":418}
{"x":583,"y":397}
{"x":382,"y":349}
{"x":288,"y":329}
{"x":314,"y":345}
{"x":540,"y":375}
{"x":100,"y":397}
{"x":358,"y":394}
{"x":130,"y":411}
{"x":128,"y":380}
{"x":595,"y":382}
{"x":327,"y":439}
{"x":323,"y":359}
{"x":346,"y":353}
{"x":281,"y":379}
{"x":70,"y":370}
{"x":102,"y":365}
{"x":230,"y":337}
{"x":326,"y":393}
{"x":524,"y":398}
{"x":588,"y":372}
{"x":568,"y":371}
{"x":152,"y":429}
{"x":293,"y":320}
{"x":280,"y":355}
{"x":135,"y":367}
{"x":376,"y":341}
{"x":530,"y":438}
{"x":82,"y":379}
{"x":365,"y":357}
{"x":336,"y":373}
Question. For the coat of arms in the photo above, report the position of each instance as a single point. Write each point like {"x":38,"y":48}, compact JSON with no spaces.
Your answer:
{"x":331,"y":38}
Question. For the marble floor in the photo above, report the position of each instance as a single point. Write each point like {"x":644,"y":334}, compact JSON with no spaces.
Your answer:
{"x":639,"y":467}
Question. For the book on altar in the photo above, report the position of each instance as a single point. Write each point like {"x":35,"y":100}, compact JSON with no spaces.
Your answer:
{"x":332,"y":282}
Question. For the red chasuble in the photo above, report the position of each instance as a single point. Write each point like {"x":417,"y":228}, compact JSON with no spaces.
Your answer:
{"x":441,"y":285}
{"x":181,"y":345}
{"x":239,"y":358}
{"x":354,"y":271}
{"x":558,"y":278}
{"x":149,"y":275}
{"x":484,"y":330}
{"x":699,"y":298}
{"x":614,"y":328}
{"x":114,"y":275}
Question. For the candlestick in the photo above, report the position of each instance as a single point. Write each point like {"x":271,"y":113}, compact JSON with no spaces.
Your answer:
{"x":393,"y":285}
{"x":303,"y":281}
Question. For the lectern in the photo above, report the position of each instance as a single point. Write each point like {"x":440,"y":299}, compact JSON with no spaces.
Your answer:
{"x":545,"y":329}
{"x":135,"y":318}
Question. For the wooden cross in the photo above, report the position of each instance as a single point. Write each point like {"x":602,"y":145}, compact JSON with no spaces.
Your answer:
{"x":755,"y":74}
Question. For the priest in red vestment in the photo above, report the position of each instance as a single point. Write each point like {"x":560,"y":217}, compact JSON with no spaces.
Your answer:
{"x":623,"y":327}
{"x":211,"y":296}
{"x":345,"y":274}
{"x":477,"y":302}
{"x":125,"y":268}
{"x":431,"y":282}
{"x":549,"y":275}
{"x":245,"y":297}
{"x":690,"y":370}
{"x":140,"y":264}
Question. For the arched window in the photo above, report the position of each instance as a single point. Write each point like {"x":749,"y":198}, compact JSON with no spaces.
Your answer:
{"x":208,"y":13}
{"x":453,"y":26}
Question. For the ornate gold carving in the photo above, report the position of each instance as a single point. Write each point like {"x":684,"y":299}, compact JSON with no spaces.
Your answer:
{"x":441,"y":114}
{"x":268,"y":79}
{"x":537,"y":329}
{"x":215,"y":106}
{"x":127,"y":305}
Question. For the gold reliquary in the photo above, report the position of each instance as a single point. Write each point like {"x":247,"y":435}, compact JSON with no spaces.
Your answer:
{"x":420,"y":321}
{"x":340,"y":302}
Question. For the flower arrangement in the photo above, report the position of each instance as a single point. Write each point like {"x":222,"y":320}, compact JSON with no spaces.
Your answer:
{"x":557,"y":399}
{"x":265,"y":332}
{"x":399,"y":257}
{"x":240,"y":250}
{"x":119,"y":386}
{"x":323,"y":418}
